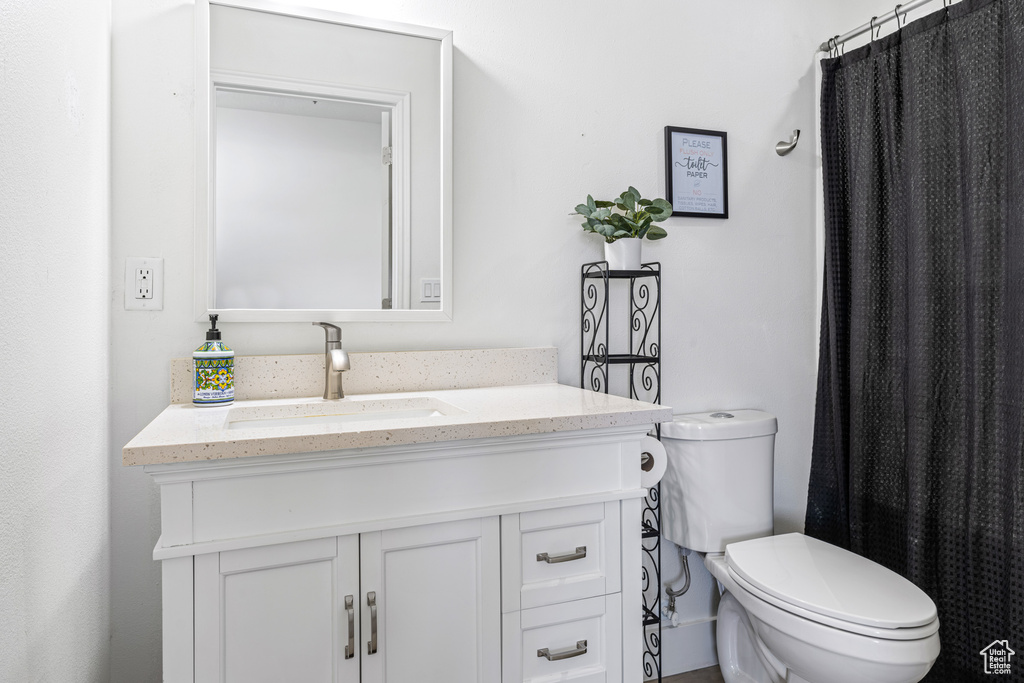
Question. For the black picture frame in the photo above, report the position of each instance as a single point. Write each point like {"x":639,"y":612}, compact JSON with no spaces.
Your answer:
{"x":697,"y":173}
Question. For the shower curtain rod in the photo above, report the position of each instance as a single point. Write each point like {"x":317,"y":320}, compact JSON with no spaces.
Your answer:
{"x":874,"y":23}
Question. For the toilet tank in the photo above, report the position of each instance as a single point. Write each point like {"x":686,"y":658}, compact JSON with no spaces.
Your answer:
{"x":718,"y":485}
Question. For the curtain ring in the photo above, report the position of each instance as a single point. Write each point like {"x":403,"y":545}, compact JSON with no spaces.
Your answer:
{"x":834,"y":46}
{"x":873,"y":36}
{"x":946,"y":4}
{"x":897,"y":13}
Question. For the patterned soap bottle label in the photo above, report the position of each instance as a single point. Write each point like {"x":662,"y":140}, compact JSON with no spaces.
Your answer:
{"x":214,"y":380}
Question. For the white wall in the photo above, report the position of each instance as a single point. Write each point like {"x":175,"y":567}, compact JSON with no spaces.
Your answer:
{"x":553,"y":100}
{"x":54,"y":338}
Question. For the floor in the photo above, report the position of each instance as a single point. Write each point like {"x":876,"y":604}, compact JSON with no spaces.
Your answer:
{"x":709,"y":675}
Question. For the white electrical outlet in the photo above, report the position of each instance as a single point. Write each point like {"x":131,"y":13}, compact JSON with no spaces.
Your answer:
{"x":430,"y":289}
{"x":143,"y":284}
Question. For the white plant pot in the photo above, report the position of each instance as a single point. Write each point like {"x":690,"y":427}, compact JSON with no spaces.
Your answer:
{"x":623,"y":254}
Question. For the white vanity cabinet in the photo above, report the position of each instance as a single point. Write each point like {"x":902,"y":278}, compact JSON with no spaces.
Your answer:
{"x":411,"y":604}
{"x":496,"y":555}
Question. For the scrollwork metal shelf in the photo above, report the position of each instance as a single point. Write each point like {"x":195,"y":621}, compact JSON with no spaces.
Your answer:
{"x":615,"y":358}
{"x":643,"y":362}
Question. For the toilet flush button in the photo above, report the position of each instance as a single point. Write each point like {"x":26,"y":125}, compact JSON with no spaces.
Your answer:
{"x":724,"y":415}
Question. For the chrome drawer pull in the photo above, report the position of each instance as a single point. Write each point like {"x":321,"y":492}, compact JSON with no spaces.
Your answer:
{"x":580,"y":649}
{"x":581,"y":552}
{"x":371,"y":602}
{"x":350,"y":649}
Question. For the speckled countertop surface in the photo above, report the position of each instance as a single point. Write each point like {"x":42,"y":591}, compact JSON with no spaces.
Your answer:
{"x":183,"y":432}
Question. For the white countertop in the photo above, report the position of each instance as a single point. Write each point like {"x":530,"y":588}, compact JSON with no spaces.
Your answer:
{"x":184,"y":433}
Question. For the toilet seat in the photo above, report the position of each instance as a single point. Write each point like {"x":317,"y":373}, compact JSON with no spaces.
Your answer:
{"x":903,"y":633}
{"x":832,"y":586}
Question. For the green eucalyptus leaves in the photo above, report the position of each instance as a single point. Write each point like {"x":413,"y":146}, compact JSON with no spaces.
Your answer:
{"x":636,"y":219}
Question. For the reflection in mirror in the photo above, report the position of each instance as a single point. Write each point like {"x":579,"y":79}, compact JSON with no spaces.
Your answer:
{"x":323,"y":166}
{"x":302,"y":191}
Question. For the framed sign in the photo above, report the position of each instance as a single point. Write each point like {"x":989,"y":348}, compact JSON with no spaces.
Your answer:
{"x":696,"y":178}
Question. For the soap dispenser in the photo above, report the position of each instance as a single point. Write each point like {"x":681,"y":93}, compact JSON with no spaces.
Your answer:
{"x":213,"y":370}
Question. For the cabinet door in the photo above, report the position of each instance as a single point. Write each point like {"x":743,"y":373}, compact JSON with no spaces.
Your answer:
{"x":278,"y":613}
{"x":436,"y":590}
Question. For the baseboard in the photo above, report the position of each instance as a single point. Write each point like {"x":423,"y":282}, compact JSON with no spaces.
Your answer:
{"x":688,"y":647}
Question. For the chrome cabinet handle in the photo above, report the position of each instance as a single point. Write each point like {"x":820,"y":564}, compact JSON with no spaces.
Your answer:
{"x":350,"y":649}
{"x":371,"y":602}
{"x":580,"y":649}
{"x":581,"y":552}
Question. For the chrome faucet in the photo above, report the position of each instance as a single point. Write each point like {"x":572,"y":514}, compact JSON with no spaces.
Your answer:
{"x":335,"y":362}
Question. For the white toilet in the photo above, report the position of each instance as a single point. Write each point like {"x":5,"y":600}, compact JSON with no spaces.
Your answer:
{"x":793,"y":608}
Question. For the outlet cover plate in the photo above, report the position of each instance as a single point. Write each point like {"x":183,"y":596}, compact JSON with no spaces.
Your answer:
{"x":138,"y":273}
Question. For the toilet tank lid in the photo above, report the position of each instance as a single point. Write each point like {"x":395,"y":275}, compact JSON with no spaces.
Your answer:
{"x":720,"y":424}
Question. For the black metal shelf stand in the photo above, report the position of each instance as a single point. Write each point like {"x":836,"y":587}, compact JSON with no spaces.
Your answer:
{"x":643,"y":362}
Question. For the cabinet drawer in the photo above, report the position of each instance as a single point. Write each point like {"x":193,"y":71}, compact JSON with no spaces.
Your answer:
{"x":561,"y":554}
{"x":579,"y":641}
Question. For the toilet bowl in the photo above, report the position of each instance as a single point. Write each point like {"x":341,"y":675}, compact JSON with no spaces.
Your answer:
{"x":798,"y":641}
{"x":794,"y":609}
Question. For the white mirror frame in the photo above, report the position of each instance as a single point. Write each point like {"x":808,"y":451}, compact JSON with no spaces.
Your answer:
{"x":204,"y":261}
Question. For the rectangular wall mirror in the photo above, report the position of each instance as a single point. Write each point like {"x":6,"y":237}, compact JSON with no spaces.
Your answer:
{"x":323,"y":171}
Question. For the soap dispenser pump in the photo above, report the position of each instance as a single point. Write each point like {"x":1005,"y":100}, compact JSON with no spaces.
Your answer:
{"x":213,"y":370}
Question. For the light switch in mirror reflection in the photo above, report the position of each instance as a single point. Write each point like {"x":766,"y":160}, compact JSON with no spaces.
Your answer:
{"x":322,"y":191}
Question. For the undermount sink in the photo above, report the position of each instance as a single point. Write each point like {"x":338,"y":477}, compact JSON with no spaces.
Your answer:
{"x":338,"y":412}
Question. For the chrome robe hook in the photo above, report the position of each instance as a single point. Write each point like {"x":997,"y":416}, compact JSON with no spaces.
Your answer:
{"x":783,"y":148}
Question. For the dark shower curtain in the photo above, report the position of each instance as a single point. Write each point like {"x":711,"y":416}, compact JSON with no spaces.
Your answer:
{"x":917,"y":460}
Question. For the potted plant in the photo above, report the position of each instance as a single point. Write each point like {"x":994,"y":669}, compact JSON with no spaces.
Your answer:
{"x":623,"y":223}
